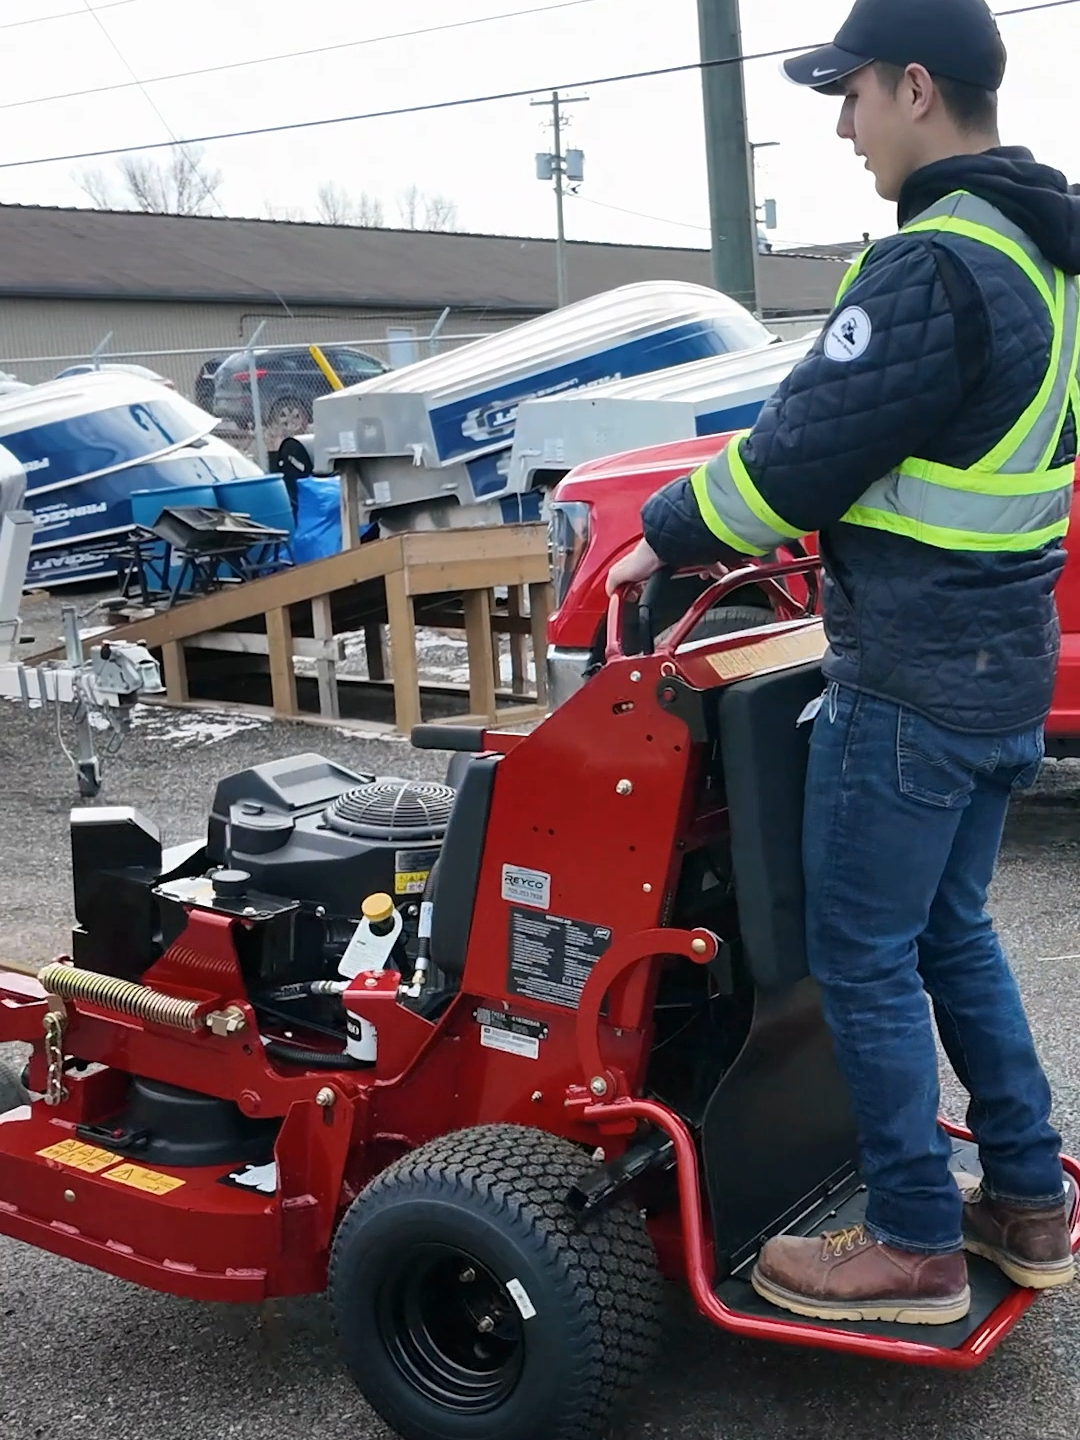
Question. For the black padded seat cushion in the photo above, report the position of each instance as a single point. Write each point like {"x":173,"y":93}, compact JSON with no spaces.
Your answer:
{"x":764,"y":752}
{"x":459,"y":864}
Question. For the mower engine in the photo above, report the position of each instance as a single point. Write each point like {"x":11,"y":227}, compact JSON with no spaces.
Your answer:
{"x":328,"y":869}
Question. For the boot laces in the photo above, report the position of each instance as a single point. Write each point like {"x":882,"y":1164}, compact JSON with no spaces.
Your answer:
{"x":837,"y":1242}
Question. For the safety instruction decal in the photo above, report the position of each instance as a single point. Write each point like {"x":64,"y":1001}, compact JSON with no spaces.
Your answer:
{"x":77,"y":1156}
{"x":551,"y":957}
{"x":513,"y":1034}
{"x":411,"y":870}
{"x":136,"y":1178}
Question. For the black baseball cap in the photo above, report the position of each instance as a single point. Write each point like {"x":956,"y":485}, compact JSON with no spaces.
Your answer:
{"x":953,"y":39}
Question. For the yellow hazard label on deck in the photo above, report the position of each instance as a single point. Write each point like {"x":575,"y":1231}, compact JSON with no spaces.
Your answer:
{"x":152,"y":1181}
{"x":78,"y":1156}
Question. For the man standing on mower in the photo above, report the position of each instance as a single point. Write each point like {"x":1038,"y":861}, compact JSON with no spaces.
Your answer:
{"x":929,"y":437}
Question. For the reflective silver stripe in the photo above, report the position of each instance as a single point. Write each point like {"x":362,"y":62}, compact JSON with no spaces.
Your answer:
{"x":961,"y":510}
{"x":1046,"y":431}
{"x":964,"y":206}
{"x":726,"y":499}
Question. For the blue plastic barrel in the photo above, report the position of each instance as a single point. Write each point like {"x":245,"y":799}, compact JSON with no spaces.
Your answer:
{"x":263,"y":498}
{"x":147,"y":505}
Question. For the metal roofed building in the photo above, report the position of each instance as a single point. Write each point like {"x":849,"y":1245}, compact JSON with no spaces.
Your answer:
{"x":172,"y":290}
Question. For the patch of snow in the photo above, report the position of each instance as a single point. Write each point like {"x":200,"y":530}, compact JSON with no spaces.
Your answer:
{"x":183,"y":729}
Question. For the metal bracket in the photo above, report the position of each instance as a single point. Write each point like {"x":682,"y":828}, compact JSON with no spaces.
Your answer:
{"x":683,"y":701}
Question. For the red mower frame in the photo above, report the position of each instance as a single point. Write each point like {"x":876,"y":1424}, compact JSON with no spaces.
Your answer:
{"x":621,"y":754}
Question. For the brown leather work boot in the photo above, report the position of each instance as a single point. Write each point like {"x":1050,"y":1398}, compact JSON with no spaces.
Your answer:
{"x":1032,"y":1247}
{"x":846,"y":1275}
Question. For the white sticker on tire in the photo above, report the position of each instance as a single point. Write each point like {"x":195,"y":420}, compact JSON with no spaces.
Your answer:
{"x":520,"y":1297}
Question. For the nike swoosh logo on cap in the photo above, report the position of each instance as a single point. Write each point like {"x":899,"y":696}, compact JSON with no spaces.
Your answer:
{"x":819,"y":74}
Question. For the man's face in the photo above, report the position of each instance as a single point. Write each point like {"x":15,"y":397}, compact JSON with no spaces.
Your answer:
{"x":879,"y":124}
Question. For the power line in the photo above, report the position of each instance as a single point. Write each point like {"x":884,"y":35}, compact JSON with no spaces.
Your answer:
{"x":439,"y":105}
{"x":207,"y":193}
{"x":399,"y":110}
{"x":63,"y":15}
{"x":638,"y":214}
{"x":292,"y":55}
{"x":1028,"y":9}
{"x":788,"y":248}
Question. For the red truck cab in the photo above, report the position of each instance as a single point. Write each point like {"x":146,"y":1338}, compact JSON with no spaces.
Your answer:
{"x":596,"y":519}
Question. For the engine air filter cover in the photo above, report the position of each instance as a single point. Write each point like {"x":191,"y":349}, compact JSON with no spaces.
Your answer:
{"x":392,"y":809}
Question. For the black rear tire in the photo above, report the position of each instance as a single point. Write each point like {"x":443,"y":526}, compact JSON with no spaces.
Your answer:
{"x":470,"y":1304}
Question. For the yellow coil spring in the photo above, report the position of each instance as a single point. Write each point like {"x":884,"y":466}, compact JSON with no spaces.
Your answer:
{"x":138,"y":1001}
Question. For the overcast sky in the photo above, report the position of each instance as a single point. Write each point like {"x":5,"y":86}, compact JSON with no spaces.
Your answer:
{"x":642,"y":139}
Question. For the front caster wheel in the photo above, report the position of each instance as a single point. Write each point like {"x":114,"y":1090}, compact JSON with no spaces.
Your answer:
{"x":471,"y":1304}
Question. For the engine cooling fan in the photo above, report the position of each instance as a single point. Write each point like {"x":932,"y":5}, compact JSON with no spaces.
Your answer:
{"x":392,"y":810}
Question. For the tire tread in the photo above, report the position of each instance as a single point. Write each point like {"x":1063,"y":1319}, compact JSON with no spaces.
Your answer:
{"x":523,"y":1175}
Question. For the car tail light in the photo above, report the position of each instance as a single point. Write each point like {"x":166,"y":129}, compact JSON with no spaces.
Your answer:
{"x":244,"y":376}
{"x":569,"y":536}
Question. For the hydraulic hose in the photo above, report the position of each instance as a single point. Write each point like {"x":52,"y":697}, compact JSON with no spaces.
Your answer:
{"x":313,"y":1059}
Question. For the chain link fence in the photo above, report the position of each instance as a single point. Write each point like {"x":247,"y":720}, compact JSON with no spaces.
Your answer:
{"x":186,"y":346}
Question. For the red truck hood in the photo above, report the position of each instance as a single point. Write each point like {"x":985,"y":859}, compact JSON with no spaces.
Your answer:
{"x":616,"y":488}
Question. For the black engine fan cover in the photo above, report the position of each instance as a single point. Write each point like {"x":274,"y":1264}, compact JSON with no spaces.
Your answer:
{"x":404,"y":811}
{"x":309,"y":830}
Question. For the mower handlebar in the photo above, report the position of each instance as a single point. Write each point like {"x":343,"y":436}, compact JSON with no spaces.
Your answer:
{"x":465,"y":739}
{"x":766,"y":575}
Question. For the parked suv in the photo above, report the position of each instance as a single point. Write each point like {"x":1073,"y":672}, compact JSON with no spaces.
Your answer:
{"x":289,"y":381}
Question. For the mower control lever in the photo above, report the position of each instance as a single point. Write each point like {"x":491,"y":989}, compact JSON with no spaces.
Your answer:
{"x":766,"y":575}
{"x":650,"y":597}
{"x":468,"y":739}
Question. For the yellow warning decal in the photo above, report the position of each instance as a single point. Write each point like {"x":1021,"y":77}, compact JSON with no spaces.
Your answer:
{"x":152,"y":1181}
{"x":410,"y":882}
{"x":78,"y":1156}
{"x":777,"y":653}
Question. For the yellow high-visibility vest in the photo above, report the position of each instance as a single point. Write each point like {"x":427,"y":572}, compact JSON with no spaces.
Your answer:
{"x":1013,"y":499}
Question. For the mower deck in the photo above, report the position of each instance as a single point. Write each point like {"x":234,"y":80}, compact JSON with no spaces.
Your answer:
{"x":86,"y":1204}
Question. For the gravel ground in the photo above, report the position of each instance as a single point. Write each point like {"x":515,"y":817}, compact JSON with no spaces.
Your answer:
{"x":84,"y":1354}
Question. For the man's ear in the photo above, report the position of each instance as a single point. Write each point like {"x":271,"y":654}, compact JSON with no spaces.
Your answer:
{"x":918,"y":91}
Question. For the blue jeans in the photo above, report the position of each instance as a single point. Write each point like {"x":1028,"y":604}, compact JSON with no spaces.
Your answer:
{"x":902,"y":830}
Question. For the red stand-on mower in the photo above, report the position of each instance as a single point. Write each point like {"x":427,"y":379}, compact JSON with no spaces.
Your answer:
{"x":575,"y":1051}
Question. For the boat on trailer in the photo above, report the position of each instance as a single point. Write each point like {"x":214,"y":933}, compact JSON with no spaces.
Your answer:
{"x":708,"y":397}
{"x":86,"y":445}
{"x":431,"y":442}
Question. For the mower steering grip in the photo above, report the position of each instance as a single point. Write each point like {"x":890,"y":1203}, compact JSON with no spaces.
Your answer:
{"x":646,"y":606}
{"x":465,"y":739}
{"x":650,"y":596}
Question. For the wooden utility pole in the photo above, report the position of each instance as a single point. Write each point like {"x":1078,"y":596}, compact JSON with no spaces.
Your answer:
{"x":730,"y":159}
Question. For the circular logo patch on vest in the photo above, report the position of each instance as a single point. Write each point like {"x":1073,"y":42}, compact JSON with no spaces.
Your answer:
{"x":849,"y":335}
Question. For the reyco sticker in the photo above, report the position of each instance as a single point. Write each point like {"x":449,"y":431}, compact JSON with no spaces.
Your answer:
{"x":526,"y":887}
{"x":849,"y":335}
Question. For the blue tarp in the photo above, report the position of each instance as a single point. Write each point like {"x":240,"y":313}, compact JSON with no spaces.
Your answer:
{"x":318,"y":519}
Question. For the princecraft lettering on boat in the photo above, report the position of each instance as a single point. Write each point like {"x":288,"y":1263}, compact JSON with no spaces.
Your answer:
{"x":50,"y":516}
{"x":435,"y":436}
{"x":707,"y":397}
{"x":86,"y":445}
